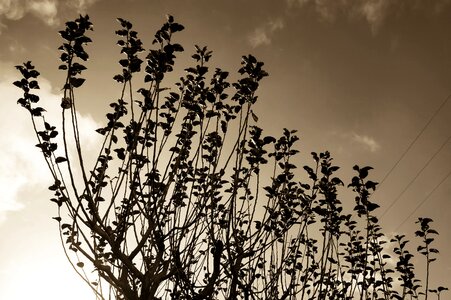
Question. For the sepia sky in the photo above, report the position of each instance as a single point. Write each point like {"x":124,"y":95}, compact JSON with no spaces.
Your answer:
{"x":367,"y":80}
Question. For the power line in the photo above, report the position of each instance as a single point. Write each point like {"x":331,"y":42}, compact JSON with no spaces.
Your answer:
{"x":416,"y":176}
{"x":416,"y":138}
{"x":424,"y":200}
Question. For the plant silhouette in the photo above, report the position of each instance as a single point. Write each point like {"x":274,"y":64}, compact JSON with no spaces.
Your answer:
{"x":189,"y":199}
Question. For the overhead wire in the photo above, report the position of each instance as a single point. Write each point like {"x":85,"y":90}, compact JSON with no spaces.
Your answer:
{"x":412,"y":143}
{"x":416,"y":176}
{"x":424,"y":200}
{"x":416,"y":139}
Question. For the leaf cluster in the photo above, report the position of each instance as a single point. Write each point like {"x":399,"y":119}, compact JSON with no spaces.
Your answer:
{"x":190,"y":199}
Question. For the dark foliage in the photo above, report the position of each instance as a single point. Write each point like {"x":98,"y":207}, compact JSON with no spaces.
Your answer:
{"x":189,"y":199}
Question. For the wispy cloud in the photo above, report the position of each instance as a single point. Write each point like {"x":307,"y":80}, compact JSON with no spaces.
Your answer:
{"x":262,"y":36}
{"x":356,"y":141}
{"x":81,"y":5}
{"x":366,"y":141}
{"x":45,"y":10}
{"x":23,"y":168}
{"x":327,"y":9}
{"x":15,"y":47}
{"x":374,"y":12}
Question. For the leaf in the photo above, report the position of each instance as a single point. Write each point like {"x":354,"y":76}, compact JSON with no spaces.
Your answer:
{"x":33,"y":73}
{"x":268,"y":140}
{"x":176,"y":27}
{"x":18,"y":83}
{"x":124,"y":63}
{"x":66,"y":103}
{"x":223,"y":126}
{"x":120,"y":153}
{"x":80,"y":264}
{"x":258,"y":224}
{"x":363,"y":172}
{"x":58,"y":219}
{"x":372,"y":206}
{"x":57,"y":201}
{"x":254,"y":116}
{"x":33,"y":98}
{"x":60,"y":159}
{"x":177,"y":48}
{"x":65,"y":225}
{"x":76,"y":82}
{"x":114,"y":138}
{"x":102,"y":131}
{"x":76,"y":67}
{"x":119,"y":78}
{"x":121,"y":32}
{"x":37,"y":112}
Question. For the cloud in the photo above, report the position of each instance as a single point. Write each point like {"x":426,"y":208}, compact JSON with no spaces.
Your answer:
{"x":23,"y":169}
{"x":42,"y":265}
{"x":262,"y":35}
{"x":259,"y":37}
{"x":45,"y":10}
{"x":12,"y":10}
{"x":366,"y":141}
{"x":327,"y":9}
{"x":349,"y":139}
{"x":374,"y":12}
{"x":15,"y":47}
{"x":81,"y":5}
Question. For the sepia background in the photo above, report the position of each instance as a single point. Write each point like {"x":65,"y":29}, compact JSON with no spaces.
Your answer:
{"x":367,"y":80}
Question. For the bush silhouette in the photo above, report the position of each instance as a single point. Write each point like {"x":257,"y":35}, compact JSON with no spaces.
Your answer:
{"x":189,"y":199}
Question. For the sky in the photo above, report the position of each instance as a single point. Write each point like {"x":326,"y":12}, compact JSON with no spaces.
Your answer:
{"x":367,"y":80}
